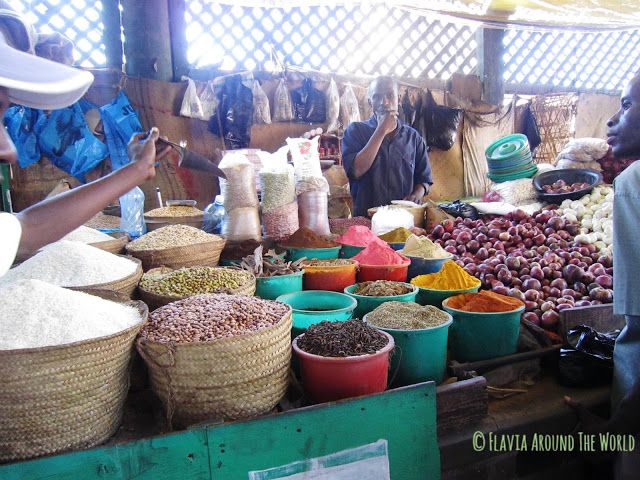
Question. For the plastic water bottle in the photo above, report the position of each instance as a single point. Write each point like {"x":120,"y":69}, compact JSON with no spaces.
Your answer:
{"x":132,"y":213}
{"x":214,"y":216}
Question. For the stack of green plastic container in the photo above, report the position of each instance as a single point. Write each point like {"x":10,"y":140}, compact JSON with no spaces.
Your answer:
{"x":509,"y":158}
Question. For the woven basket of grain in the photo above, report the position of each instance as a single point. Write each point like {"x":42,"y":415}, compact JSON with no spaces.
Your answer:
{"x":155,"y":300}
{"x":153,"y":223}
{"x":127,"y":285}
{"x":228,"y":378}
{"x":206,"y":254}
{"x":65,"y":397}
{"x":116,"y":245}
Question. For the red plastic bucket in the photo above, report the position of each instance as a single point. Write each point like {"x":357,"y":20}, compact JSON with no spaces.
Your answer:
{"x":394,"y":273}
{"x":332,"y":378}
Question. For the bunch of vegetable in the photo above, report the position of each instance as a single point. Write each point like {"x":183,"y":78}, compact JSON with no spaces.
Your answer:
{"x":532,"y":258}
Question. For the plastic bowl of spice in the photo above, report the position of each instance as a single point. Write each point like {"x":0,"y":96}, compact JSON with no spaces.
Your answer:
{"x":485,"y":325}
{"x":378,"y":261}
{"x":354,"y":240}
{"x":314,"y":306}
{"x":343,"y":360}
{"x":421,"y":334}
{"x":451,"y":280}
{"x":372,"y":294}
{"x":332,"y":274}
{"x":307,"y":243}
{"x":426,"y":256}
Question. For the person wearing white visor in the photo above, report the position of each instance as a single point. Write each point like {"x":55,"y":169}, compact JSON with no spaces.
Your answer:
{"x":35,"y":82}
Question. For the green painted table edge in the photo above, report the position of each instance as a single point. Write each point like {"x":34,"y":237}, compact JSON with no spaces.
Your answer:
{"x":405,"y":417}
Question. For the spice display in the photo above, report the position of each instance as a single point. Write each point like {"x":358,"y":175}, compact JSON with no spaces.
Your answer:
{"x":281,"y":222}
{"x":307,"y":238}
{"x":342,"y":339}
{"x":398,"y":235}
{"x":270,"y":264}
{"x":72,"y":264}
{"x":451,"y":277}
{"x":424,"y":248}
{"x":193,"y":281}
{"x":328,"y":262}
{"x":382,"y":288}
{"x":378,"y":253}
{"x":174,"y":211}
{"x":357,"y":235}
{"x":341,"y":225}
{"x":484,"y":301}
{"x":86,"y":235}
{"x":406,"y":316}
{"x":170,"y":236}
{"x":37,"y":314}
{"x":278,"y":189}
{"x":211,"y":316}
{"x":237,"y":250}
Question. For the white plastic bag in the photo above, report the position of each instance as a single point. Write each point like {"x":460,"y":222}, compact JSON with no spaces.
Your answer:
{"x":282,"y":108}
{"x":209,"y":101}
{"x":191,"y":105}
{"x":306,"y":158}
{"x":261,"y":112}
{"x":389,"y":218}
{"x":333,"y":106}
{"x":349,"y":109}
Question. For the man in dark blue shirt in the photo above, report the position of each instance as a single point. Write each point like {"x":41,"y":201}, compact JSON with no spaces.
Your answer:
{"x":384,"y":158}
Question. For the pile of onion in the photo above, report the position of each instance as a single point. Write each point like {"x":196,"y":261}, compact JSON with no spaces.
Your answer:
{"x":533,"y":258}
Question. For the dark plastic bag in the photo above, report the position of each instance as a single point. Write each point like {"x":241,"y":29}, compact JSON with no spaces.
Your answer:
{"x":119,"y":121}
{"x":531,"y":130}
{"x":407,"y":110}
{"x":460,"y":209}
{"x":587,"y":359}
{"x":440,"y":123}
{"x":22,"y":125}
{"x":65,"y":138}
{"x":309,"y":104}
{"x":233,"y":116}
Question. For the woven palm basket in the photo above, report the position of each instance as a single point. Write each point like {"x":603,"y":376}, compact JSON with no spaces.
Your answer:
{"x":229,"y":378}
{"x":116,"y":245}
{"x":205,"y":254}
{"x":65,"y":397}
{"x":154,"y":300}
{"x":127,"y":285}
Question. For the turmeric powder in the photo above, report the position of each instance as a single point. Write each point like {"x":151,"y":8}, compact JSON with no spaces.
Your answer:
{"x":484,"y":301}
{"x":451,"y":277}
{"x":399,"y":235}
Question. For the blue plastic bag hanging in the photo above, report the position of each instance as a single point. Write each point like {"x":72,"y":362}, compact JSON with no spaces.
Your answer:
{"x":69,"y":143}
{"x":22,"y":125}
{"x":120,"y":121}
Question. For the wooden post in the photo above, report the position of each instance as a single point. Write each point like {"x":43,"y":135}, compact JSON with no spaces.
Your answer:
{"x":112,"y":33}
{"x":491,"y":64}
{"x":178,"y":38}
{"x":147,"y":44}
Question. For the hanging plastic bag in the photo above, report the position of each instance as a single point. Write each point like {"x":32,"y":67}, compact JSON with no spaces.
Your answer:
{"x":22,"y":126}
{"x":261,"y":111}
{"x":441,"y":124}
{"x":234,"y":115}
{"x":309,"y":103}
{"x":120,"y":121}
{"x":68,"y":142}
{"x":209,"y":101}
{"x":349,"y":110}
{"x":587,"y":359}
{"x":408,"y":110}
{"x":282,"y":107}
{"x":333,"y":106}
{"x":191,"y":105}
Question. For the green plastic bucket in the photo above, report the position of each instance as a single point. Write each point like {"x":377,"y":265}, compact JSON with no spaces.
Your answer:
{"x":271,"y":288}
{"x":348,"y":251}
{"x":314,"y":306}
{"x":430,"y":296}
{"x":420,"y":355}
{"x":294,"y":254}
{"x":480,"y":335}
{"x":228,"y":262}
{"x":367,"y":303}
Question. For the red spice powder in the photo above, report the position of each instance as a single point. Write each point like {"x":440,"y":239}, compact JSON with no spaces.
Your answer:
{"x":484,"y":301}
{"x":379,"y":253}
{"x":357,"y":235}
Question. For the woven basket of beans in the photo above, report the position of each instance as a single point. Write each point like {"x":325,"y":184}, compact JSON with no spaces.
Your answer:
{"x":120,"y":240}
{"x":217,"y":357}
{"x":177,"y":246}
{"x":65,"y":397}
{"x":160,"y":286}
